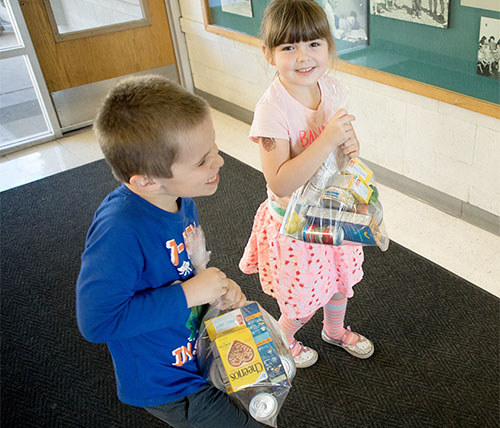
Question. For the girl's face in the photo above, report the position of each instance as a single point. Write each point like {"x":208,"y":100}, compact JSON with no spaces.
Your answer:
{"x":301,"y":64}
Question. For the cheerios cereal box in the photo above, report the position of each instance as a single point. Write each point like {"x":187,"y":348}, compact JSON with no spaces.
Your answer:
{"x":240,"y":358}
{"x":243,"y":342}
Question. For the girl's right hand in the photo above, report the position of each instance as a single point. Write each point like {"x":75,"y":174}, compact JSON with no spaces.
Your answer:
{"x":339,"y":129}
{"x":207,"y":286}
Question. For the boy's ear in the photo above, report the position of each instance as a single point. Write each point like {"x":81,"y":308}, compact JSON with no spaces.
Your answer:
{"x":143,"y":183}
{"x":268,"y":54}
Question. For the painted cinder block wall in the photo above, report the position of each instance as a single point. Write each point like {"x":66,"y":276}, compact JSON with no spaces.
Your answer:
{"x":452,"y":150}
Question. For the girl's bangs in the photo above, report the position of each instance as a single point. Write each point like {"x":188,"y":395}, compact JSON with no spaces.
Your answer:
{"x":302,"y":28}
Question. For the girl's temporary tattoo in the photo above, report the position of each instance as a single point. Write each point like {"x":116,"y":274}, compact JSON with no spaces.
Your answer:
{"x":268,"y":144}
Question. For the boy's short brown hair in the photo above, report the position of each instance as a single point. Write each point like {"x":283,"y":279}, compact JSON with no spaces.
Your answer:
{"x":140,"y":125}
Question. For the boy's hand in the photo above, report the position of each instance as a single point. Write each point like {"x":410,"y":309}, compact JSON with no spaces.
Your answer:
{"x":232,"y":299}
{"x":205,"y":287}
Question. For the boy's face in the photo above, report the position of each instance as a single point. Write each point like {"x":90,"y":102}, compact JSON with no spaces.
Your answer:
{"x":196,"y":171}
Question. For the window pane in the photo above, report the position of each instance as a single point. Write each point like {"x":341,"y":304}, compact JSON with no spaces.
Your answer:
{"x":8,"y":36}
{"x":78,"y":15}
{"x":21,"y":116}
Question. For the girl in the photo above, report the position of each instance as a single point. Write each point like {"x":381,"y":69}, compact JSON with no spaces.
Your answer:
{"x":298,"y":122}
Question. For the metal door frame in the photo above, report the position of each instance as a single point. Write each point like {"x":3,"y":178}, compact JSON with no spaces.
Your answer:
{"x":26,"y":49}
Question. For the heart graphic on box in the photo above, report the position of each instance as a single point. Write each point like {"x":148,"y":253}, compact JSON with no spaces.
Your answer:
{"x":239,"y":353}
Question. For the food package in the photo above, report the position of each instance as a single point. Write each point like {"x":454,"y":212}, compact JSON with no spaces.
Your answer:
{"x":339,"y":205}
{"x":245,"y":353}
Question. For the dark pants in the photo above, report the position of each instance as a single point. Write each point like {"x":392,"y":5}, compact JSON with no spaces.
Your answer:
{"x":207,"y":408}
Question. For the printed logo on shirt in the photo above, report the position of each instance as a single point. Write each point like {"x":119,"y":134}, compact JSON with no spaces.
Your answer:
{"x":308,"y":136}
{"x":175,"y":249}
{"x":183,"y":354}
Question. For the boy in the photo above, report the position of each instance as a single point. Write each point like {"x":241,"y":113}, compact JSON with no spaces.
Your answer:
{"x":136,"y":290}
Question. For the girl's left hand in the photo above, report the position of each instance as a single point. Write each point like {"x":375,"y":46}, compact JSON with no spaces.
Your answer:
{"x":351,"y":146}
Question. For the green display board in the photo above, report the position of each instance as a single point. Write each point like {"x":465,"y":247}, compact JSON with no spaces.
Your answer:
{"x":445,"y":58}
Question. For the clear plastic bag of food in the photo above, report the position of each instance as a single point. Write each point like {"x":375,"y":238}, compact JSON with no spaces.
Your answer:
{"x":339,"y":205}
{"x":245,"y":353}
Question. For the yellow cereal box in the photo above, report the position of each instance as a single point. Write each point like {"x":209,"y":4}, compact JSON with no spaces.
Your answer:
{"x":224,"y":324}
{"x":240,"y":358}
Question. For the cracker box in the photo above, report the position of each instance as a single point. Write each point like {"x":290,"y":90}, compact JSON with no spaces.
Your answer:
{"x":356,"y":167}
{"x":355,"y":184}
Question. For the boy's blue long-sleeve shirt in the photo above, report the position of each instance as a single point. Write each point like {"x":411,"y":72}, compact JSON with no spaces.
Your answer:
{"x":129,"y":296}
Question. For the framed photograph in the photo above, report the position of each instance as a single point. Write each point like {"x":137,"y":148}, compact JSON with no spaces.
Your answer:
{"x":427,"y":12}
{"x":488,"y":52}
{"x":348,"y":20}
{"x":482,"y":4}
{"x":238,"y":7}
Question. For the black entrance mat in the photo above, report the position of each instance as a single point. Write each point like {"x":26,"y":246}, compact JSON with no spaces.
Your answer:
{"x":436,"y":361}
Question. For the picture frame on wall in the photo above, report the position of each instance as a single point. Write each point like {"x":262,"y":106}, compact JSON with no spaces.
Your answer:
{"x":482,"y":4}
{"x":237,"y":7}
{"x":426,"y":12}
{"x":488,"y":52}
{"x":348,"y":20}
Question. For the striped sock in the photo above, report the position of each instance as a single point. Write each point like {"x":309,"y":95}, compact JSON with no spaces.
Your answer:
{"x":291,"y":326}
{"x":333,"y":323}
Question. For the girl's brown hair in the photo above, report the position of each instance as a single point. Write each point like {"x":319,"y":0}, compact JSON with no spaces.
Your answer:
{"x":141,"y":124}
{"x":293,"y":21}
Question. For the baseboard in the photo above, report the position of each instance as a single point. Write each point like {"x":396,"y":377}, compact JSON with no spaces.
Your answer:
{"x":240,"y":113}
{"x":437,"y":199}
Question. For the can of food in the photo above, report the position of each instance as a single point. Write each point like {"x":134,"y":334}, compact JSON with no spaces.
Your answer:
{"x":316,"y":234}
{"x":289,"y":366}
{"x":263,"y":406}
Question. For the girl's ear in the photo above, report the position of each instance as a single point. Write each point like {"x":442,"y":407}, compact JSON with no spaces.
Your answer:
{"x":143,"y":184}
{"x":268,"y":54}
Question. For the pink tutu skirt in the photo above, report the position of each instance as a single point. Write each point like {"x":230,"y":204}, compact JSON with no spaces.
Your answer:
{"x":301,"y":276}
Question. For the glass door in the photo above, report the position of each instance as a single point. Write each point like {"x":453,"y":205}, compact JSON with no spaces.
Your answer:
{"x":26,"y":113}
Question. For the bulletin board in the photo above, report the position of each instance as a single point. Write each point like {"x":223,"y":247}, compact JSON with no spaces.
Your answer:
{"x":438,"y":63}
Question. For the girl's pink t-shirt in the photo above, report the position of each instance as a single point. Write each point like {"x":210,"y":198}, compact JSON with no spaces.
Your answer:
{"x":279,"y":115}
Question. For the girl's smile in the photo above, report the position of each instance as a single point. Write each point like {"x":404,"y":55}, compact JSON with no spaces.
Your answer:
{"x":305,"y":71}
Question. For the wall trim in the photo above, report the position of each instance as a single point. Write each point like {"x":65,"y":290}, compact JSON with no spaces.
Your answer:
{"x":435,"y":198}
{"x":231,"y":109}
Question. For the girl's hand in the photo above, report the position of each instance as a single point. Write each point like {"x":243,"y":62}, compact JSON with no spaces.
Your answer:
{"x":206,"y":287}
{"x":339,"y":129}
{"x":351,"y":146}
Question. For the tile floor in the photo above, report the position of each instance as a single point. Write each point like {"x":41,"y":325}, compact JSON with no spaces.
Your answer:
{"x":460,"y":247}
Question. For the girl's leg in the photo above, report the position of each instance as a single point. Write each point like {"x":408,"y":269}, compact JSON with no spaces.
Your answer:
{"x":302,"y":355}
{"x":291,"y":326}
{"x":335,"y":333}
{"x":333,"y":324}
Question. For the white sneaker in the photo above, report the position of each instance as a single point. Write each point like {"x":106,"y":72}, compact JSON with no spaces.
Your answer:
{"x":363,"y":348}
{"x":306,"y":357}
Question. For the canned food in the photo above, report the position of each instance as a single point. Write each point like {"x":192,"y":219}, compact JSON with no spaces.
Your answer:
{"x":323,"y":235}
{"x":289,"y":366}
{"x":216,"y":377}
{"x":263,"y":406}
